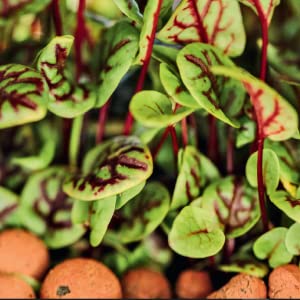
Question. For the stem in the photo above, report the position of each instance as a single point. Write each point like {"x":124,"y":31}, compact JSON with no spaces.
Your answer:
{"x":230,"y":152}
{"x":213,"y":150}
{"x":161,"y":142}
{"x":57,"y":17}
{"x":184,"y":130}
{"x":101,"y":122}
{"x":75,"y":140}
{"x":146,"y":61}
{"x":174,"y":141}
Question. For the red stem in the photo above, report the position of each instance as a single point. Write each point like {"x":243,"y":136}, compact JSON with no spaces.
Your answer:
{"x":161,"y":142}
{"x":184,"y":132}
{"x":213,"y":151}
{"x":57,"y":17}
{"x":101,"y":122}
{"x":146,"y":61}
{"x":230,"y":152}
{"x":174,"y":142}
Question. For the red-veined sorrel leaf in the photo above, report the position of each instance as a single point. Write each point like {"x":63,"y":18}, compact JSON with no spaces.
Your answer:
{"x":208,"y":21}
{"x":131,"y":9}
{"x":277,"y":119}
{"x":46,"y":209}
{"x":143,"y":214}
{"x":154,"y":109}
{"x":165,"y":54}
{"x":175,"y":88}
{"x":246,"y":133}
{"x":9,"y":204}
{"x":195,"y":234}
{"x":266,"y":6}
{"x":271,"y":170}
{"x":10,"y":8}
{"x":234,"y":203}
{"x":292,"y":241}
{"x":23,"y":95}
{"x":110,"y":169}
{"x":213,"y":94}
{"x":288,"y":204}
{"x":247,"y":266}
{"x":271,"y":246}
{"x":194,"y":172}
{"x":120,"y":45}
{"x":66,"y":99}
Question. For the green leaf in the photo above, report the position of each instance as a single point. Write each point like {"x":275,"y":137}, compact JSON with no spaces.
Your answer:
{"x":23,"y":95}
{"x":213,"y":94}
{"x":119,"y":48}
{"x":80,"y":211}
{"x":195,"y":234}
{"x":131,"y":9}
{"x":12,"y":8}
{"x":276,"y":118}
{"x":246,"y":133}
{"x":154,"y":109}
{"x":292,"y":241}
{"x":286,"y":203}
{"x":271,"y":246}
{"x":232,"y":203}
{"x":271,"y":170}
{"x":221,"y":27}
{"x":175,"y":88}
{"x":142,"y":215}
{"x":111,"y":168}
{"x":267,"y":7}
{"x":194,"y":172}
{"x":165,"y":54}
{"x":46,"y":210}
{"x":102,"y":213}
{"x":256,"y":269}
{"x":67,"y":100}
{"x":8,"y":207}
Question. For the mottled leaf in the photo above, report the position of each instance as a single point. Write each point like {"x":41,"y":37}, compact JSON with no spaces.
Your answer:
{"x":67,"y":99}
{"x":175,"y":88}
{"x":276,"y":118}
{"x":8,"y":207}
{"x":195,"y":234}
{"x":292,"y":241}
{"x":143,"y":214}
{"x":256,"y":269}
{"x":194,"y":62}
{"x":11,"y":8}
{"x":110,"y":169}
{"x":131,"y":9}
{"x":271,"y":246}
{"x":194,"y":172}
{"x":154,"y":109}
{"x":286,"y":203}
{"x":23,"y":95}
{"x":271,"y":170}
{"x":46,"y":209}
{"x":119,"y":48}
{"x":102,"y":212}
{"x":207,"y":21}
{"x":266,"y":7}
{"x":232,"y":203}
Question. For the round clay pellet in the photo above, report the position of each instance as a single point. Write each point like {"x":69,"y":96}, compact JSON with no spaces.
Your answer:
{"x":80,"y":278}
{"x":14,"y":287}
{"x":193,"y":284}
{"x":241,"y":286}
{"x":284,"y":282}
{"x":143,"y":283}
{"x":22,"y":252}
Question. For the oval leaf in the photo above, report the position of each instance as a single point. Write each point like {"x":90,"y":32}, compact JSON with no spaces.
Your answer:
{"x":110,"y":169}
{"x":271,"y":170}
{"x":154,"y":109}
{"x":23,"y":95}
{"x":66,"y":99}
{"x":143,"y":214}
{"x":292,"y":241}
{"x":209,"y":22}
{"x":288,"y":204}
{"x":233,"y":203}
{"x":271,"y":246}
{"x":130,"y":8}
{"x":277,"y":119}
{"x":194,"y":233}
{"x":119,"y":48}
{"x":46,"y":209}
